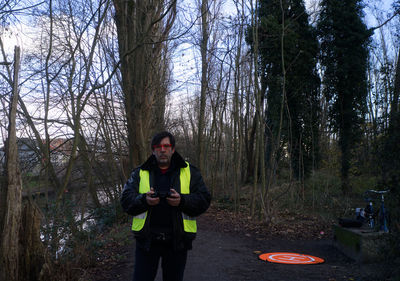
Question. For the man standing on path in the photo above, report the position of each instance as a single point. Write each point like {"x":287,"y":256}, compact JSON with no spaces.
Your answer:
{"x":164,"y":195}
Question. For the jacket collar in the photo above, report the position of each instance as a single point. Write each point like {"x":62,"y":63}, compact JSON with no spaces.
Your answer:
{"x":176,"y":161}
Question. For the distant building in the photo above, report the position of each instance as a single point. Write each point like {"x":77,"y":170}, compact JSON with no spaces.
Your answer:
{"x":60,"y":150}
{"x":28,"y":153}
{"x":30,"y":156}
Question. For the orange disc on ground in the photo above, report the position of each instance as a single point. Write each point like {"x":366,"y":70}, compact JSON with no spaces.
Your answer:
{"x":290,"y":258}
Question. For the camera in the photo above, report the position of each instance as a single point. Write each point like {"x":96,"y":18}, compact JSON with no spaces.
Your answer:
{"x":161,"y":194}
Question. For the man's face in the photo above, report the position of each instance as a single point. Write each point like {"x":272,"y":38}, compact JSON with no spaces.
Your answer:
{"x":163,"y":153}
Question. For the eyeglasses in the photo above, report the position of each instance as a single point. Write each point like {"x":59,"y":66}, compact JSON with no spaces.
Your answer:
{"x":160,"y":146}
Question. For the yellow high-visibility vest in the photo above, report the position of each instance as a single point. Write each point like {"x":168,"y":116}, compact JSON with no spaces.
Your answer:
{"x":189,"y":223}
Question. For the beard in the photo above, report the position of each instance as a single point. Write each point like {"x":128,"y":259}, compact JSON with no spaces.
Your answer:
{"x":164,"y":160}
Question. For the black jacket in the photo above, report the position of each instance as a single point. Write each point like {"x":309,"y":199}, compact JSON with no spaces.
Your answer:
{"x":193,"y":204}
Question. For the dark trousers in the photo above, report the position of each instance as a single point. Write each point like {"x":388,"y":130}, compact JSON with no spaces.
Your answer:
{"x":172,"y":263}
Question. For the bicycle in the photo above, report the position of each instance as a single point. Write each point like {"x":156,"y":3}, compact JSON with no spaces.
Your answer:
{"x":381,"y":214}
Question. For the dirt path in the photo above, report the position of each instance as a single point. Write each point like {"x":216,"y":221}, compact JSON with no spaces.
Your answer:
{"x":224,"y":255}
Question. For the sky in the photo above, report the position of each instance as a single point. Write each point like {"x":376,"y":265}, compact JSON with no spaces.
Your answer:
{"x":185,"y":64}
{"x":23,"y":34}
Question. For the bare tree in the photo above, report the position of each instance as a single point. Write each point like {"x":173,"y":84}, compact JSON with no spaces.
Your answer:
{"x":68,"y":73}
{"x":22,"y":254}
{"x":143,"y":28}
{"x":204,"y":85}
{"x":11,"y":192}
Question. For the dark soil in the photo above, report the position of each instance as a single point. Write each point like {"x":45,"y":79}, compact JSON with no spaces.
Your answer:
{"x":227,"y":248}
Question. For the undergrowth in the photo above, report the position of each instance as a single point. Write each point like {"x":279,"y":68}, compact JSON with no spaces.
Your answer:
{"x":320,"y":195}
{"x":76,"y":246}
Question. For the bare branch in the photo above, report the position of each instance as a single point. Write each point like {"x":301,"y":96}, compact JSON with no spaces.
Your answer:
{"x":386,"y":21}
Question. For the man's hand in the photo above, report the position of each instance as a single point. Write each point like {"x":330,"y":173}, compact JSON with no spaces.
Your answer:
{"x":150,"y":200}
{"x":174,"y":199}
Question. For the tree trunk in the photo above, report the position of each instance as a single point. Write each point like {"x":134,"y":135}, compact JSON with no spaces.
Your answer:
{"x":394,"y":108}
{"x":34,"y":262}
{"x":12,"y":194}
{"x":258,"y":106}
{"x":22,"y":254}
{"x":143,"y":28}
{"x":204,"y":84}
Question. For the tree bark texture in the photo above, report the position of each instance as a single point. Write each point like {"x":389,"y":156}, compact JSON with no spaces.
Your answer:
{"x":394,"y":108}
{"x":34,"y":261}
{"x":22,"y":254}
{"x":204,"y":84}
{"x":143,"y":28}
{"x":11,"y":192}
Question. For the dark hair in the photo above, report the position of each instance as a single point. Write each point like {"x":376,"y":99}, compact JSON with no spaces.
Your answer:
{"x":159,"y":136}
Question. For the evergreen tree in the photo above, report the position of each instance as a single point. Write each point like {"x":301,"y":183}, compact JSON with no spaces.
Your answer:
{"x":288,"y":67}
{"x":344,"y":41}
